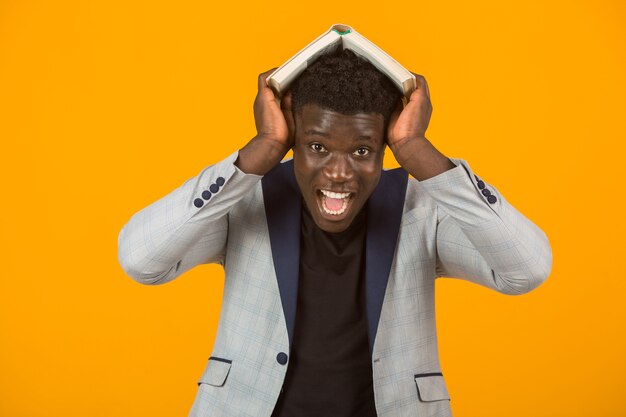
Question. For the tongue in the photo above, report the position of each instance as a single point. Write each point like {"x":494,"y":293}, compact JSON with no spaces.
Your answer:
{"x":334,"y":203}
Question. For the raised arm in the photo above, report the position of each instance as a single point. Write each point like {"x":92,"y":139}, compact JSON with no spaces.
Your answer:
{"x":185,"y":228}
{"x":480,"y":236}
{"x":189,"y":226}
{"x":484,"y":239}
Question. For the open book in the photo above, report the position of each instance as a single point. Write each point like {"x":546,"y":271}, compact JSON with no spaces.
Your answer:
{"x":344,"y":37}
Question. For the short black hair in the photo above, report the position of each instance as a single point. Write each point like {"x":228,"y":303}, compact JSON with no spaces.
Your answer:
{"x":345,"y":83}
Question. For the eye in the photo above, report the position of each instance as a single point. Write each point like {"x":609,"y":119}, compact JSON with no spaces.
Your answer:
{"x":362,"y":152}
{"x":316,"y":147}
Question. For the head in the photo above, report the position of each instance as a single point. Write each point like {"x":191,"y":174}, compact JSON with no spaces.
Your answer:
{"x":341,"y":106}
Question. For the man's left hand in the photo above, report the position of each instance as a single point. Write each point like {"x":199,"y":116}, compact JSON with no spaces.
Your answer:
{"x":412,"y":121}
{"x":406,"y":136}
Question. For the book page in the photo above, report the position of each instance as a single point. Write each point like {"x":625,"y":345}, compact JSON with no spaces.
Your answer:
{"x":381,"y":60}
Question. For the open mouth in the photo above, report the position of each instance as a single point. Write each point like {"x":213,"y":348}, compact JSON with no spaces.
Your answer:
{"x":334,"y":203}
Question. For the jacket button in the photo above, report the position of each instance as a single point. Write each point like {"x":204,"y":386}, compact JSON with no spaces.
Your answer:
{"x":281,"y":358}
{"x":492,"y":199}
{"x":486,"y":192}
{"x":220,"y":181}
{"x":198,"y":202}
{"x":214,"y":188}
{"x":481,"y":184}
{"x":206,"y":194}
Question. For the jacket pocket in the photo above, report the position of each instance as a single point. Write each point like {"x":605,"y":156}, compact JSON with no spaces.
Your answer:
{"x":431,"y":387}
{"x":215,"y":372}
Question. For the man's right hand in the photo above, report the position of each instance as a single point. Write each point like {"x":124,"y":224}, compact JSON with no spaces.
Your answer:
{"x":271,"y":122}
{"x":275,"y":131}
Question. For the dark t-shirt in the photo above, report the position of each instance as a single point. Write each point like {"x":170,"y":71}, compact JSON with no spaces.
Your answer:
{"x":330,"y":370}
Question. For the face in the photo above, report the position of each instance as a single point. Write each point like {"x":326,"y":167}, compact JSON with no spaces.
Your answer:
{"x":338,"y":162}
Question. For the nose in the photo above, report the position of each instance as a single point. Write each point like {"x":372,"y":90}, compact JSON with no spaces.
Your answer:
{"x":338,"y":169}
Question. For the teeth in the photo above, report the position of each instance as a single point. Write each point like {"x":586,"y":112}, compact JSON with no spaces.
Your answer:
{"x":330,"y":194}
{"x":334,"y":195}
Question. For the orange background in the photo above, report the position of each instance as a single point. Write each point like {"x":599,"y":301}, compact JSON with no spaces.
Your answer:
{"x":106,"y":106}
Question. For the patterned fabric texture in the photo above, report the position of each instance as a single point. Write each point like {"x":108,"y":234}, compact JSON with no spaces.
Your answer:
{"x":450,"y":227}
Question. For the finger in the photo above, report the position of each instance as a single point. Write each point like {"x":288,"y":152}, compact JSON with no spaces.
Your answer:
{"x":421,"y":83}
{"x":263,"y":76}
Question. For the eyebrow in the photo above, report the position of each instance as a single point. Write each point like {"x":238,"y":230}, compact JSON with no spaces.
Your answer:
{"x":314,"y":132}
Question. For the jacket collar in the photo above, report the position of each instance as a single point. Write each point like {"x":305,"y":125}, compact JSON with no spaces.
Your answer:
{"x":282,"y":199}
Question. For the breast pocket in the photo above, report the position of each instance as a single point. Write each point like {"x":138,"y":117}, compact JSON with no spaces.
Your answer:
{"x":215,"y":372}
{"x":431,"y":387}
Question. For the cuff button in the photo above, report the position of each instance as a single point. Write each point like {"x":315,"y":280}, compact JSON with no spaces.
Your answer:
{"x":492,"y":199}
{"x":198,"y":202}
{"x":206,"y":194}
{"x":486,"y":192}
{"x":220,"y":181}
{"x":214,"y":188}
{"x":480,"y":184}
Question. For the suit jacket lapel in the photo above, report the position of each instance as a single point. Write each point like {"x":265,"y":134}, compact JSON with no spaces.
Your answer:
{"x":384,"y":214}
{"x":282,"y":199}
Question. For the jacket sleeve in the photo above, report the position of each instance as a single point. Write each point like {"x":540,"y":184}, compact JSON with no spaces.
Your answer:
{"x":484,"y":239}
{"x":187,"y":227}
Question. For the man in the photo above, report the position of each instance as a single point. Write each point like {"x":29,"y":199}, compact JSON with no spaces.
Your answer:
{"x":330,"y":261}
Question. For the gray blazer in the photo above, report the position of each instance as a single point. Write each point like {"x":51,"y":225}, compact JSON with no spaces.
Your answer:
{"x":450,"y":225}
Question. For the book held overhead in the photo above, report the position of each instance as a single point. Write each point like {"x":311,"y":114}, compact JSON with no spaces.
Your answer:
{"x":341,"y":37}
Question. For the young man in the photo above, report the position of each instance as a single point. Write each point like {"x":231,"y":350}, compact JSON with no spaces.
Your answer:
{"x":331,"y":261}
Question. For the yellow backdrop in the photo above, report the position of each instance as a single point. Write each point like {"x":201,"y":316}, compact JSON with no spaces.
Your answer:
{"x":106,"y":106}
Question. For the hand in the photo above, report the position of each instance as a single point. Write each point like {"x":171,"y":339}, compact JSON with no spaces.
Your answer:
{"x":275,"y":131}
{"x":412,"y":121}
{"x":273,"y":117}
{"x":406,"y":136}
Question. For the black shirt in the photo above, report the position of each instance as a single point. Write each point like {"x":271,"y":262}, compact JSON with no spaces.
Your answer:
{"x":330,"y":370}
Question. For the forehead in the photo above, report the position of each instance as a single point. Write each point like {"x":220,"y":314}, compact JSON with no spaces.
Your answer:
{"x":318,"y":119}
